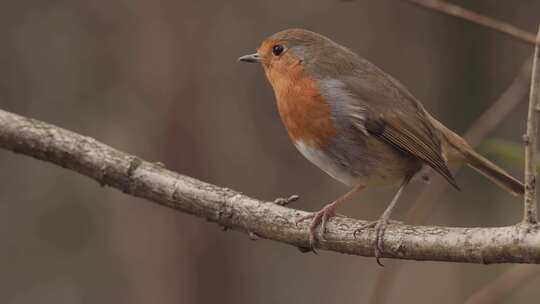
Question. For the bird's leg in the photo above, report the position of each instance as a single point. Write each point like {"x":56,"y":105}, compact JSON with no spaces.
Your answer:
{"x":322,"y":216}
{"x":381,"y":224}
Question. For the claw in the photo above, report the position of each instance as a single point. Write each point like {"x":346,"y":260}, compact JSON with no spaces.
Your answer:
{"x":323,"y":216}
{"x":304,"y":218}
{"x":378,"y":259}
{"x":382,"y":222}
{"x":319,"y":218}
{"x":329,"y":213}
{"x":365,"y":226}
{"x":380,"y":229}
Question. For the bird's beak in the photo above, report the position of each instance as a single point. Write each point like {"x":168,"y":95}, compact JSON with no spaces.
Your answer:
{"x":253,"y":58}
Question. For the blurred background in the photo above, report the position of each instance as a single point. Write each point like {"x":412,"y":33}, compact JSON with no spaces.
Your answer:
{"x":159,"y":79}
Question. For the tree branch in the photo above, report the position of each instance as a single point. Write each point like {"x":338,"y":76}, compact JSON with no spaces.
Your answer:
{"x":530,"y":215}
{"x":460,"y":12}
{"x":128,"y":173}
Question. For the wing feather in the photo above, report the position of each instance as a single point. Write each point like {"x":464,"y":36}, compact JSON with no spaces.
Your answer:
{"x":411,"y":140}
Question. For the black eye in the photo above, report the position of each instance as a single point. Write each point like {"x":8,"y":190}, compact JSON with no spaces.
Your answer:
{"x":278,"y":49}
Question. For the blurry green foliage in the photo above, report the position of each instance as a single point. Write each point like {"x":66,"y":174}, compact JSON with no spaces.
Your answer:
{"x":510,"y":152}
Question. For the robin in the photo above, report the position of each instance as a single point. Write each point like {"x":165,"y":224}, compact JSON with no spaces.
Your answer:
{"x":359,"y":124}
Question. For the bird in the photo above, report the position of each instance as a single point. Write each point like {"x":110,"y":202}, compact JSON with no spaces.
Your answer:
{"x":359,"y":124}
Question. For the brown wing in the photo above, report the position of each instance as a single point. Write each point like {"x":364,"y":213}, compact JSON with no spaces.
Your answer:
{"x":384,"y":108}
{"x":417,"y":141}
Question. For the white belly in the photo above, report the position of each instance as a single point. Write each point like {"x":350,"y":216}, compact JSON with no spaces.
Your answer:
{"x":327,"y":164}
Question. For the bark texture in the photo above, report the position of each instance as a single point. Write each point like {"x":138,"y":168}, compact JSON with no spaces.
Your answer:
{"x":232,"y":209}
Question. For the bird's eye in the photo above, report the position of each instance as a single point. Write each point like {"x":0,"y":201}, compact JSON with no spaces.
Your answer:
{"x":277,"y":49}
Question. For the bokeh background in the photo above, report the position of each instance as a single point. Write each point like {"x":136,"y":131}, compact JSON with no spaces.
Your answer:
{"x":159,"y":79}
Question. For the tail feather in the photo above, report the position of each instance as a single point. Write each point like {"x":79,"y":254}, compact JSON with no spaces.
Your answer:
{"x":456,"y":148}
{"x":494,"y":173}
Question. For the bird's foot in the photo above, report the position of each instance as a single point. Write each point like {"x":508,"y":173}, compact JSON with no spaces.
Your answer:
{"x":319,"y":218}
{"x":380,"y":228}
{"x":282,"y":201}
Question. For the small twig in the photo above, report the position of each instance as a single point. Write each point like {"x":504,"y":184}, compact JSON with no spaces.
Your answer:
{"x":282,"y":201}
{"x":253,"y":236}
{"x":497,"y":289}
{"x":530,"y":215}
{"x":494,"y":24}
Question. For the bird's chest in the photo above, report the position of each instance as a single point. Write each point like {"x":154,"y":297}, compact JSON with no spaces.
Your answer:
{"x":303,"y":110}
{"x":308,"y":120}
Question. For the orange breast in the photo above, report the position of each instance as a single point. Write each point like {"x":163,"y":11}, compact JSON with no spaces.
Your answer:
{"x":304,"y":112}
